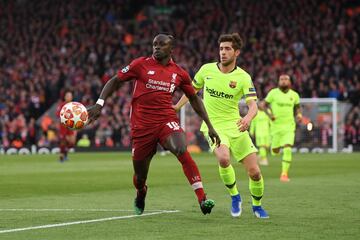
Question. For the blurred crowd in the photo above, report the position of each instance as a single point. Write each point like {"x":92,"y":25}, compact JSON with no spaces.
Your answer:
{"x":49,"y":46}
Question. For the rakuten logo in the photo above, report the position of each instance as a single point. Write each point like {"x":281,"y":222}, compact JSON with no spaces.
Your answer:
{"x":217,"y":94}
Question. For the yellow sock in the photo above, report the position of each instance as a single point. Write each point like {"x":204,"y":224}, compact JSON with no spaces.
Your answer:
{"x":256,"y":190}
{"x":227,"y":175}
{"x":286,"y":161}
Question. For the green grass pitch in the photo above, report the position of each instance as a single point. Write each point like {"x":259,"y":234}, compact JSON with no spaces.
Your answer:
{"x":320,"y":202}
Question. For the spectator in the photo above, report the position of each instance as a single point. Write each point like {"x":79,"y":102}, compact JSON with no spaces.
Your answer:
{"x":46,"y":46}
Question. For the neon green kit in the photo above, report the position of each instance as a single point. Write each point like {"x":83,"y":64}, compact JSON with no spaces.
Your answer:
{"x":260,"y":127}
{"x":222,"y":93}
{"x":282,"y":106}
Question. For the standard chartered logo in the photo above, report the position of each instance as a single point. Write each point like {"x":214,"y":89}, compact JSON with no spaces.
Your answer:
{"x":217,"y":94}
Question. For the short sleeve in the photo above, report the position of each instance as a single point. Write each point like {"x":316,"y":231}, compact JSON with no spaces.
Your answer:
{"x":269,"y":98}
{"x":198,"y":81}
{"x":249,"y":89}
{"x":185,"y":84}
{"x":131,"y":71}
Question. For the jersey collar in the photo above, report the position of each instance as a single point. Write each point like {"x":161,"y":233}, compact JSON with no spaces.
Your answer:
{"x":217,"y":65}
{"x":171,"y":61}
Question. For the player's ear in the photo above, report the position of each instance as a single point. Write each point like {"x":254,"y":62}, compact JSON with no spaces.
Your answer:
{"x":237,"y":52}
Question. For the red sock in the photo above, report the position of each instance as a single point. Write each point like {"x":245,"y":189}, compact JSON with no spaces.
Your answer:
{"x":192,"y":173}
{"x":63,"y":148}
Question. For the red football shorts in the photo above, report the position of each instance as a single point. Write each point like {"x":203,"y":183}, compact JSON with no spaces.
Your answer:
{"x":144,"y":141}
{"x":64,"y":131}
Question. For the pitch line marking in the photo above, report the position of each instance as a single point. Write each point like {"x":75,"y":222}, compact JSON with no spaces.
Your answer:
{"x":71,"y":210}
{"x":84,"y":221}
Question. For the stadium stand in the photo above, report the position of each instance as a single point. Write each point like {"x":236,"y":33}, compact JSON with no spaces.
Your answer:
{"x":48,"y":46}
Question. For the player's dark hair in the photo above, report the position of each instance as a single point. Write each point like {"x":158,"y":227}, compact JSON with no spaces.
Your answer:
{"x":285,"y":74}
{"x":234,"y":38}
{"x":65,"y":90}
{"x":170,"y":36}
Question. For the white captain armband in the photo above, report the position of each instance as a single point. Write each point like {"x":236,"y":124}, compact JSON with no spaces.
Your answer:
{"x":100,"y":102}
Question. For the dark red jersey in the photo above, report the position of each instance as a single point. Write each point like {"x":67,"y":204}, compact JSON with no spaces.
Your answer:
{"x":153,"y":88}
{"x":58,"y":108}
{"x":63,"y":131}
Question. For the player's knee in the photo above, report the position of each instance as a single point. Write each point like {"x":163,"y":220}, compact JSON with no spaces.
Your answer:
{"x":224,"y":160}
{"x":180,"y":150}
{"x":255,"y":173}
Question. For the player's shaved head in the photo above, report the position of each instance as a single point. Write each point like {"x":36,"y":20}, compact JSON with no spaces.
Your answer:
{"x":162,"y":47}
{"x":165,"y":37}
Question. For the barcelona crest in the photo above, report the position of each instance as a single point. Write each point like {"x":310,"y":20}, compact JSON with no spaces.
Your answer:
{"x":232,"y":84}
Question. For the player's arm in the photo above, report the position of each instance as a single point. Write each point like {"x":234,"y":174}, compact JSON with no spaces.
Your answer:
{"x":199,"y":108}
{"x":252,"y":128}
{"x":190,"y":89}
{"x":129,"y":72}
{"x":249,"y":93}
{"x":268,"y":111}
{"x":297,"y":108}
{"x":197,"y":83}
{"x":183,"y":100}
{"x":110,"y":87}
{"x":297,"y":112}
{"x":244,"y":123}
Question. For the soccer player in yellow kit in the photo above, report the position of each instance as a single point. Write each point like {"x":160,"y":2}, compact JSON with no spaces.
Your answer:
{"x":283,"y":108}
{"x":260,"y":129}
{"x":224,"y":85}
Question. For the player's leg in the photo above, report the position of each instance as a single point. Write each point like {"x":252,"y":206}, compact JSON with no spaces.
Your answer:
{"x":176,"y":144}
{"x":262,"y":143}
{"x":275,"y":143}
{"x":288,"y":141}
{"x":244,"y":150}
{"x":142,"y":153}
{"x":63,"y":150}
{"x":62,"y":143}
{"x":70,"y":143}
{"x":256,"y":184}
{"x":227,"y":173}
{"x":263,"y":156}
{"x":141,"y":169}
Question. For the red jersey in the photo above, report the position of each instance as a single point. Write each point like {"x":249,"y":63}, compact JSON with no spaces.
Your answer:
{"x":58,"y":108}
{"x":63,"y":131}
{"x":153,"y":89}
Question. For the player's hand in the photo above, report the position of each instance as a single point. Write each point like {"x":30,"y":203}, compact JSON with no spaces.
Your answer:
{"x":243,"y":124}
{"x":272,"y":117}
{"x":298,"y":118}
{"x":94,"y":112}
{"x":214,"y":137}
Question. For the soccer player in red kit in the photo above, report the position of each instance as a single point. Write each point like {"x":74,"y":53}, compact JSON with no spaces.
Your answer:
{"x":153,"y":120}
{"x":67,"y":137}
